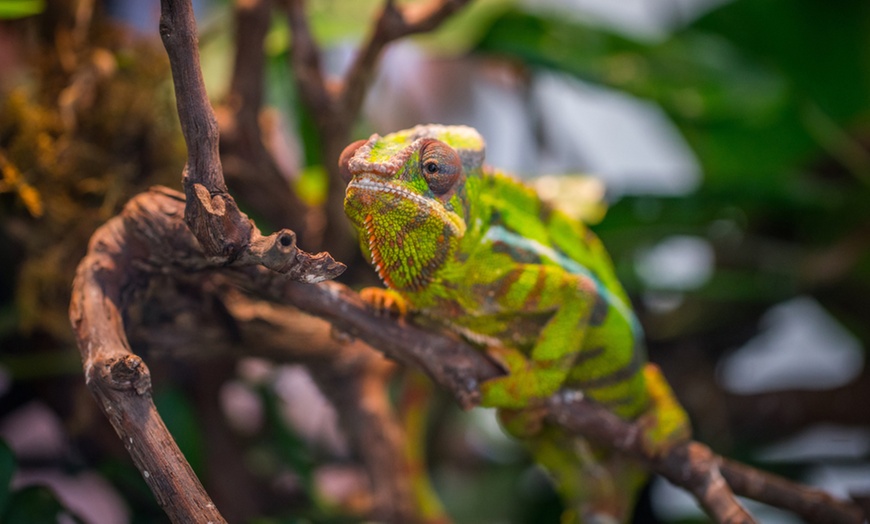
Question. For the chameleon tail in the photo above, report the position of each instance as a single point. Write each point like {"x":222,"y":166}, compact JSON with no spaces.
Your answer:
{"x":415,"y":399}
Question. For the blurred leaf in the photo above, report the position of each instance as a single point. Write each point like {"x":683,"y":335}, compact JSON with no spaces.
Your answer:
{"x":21,"y":8}
{"x":33,"y":505}
{"x":334,"y":21}
{"x":289,"y":445}
{"x":823,"y":49}
{"x":736,"y":82}
{"x":180,"y":418}
{"x":581,"y":197}
{"x":40,"y":365}
{"x":312,"y":185}
{"x":7,"y":470}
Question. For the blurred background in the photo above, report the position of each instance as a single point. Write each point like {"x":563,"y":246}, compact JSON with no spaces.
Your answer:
{"x":719,"y":148}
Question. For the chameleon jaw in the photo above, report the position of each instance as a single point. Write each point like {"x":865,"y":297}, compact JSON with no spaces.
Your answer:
{"x":370,"y":185}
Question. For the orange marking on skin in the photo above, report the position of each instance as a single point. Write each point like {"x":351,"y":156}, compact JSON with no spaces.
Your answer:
{"x":376,"y":254}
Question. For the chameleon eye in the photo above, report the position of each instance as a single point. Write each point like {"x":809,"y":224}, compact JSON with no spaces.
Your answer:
{"x":440,"y":164}
{"x":344,"y":160}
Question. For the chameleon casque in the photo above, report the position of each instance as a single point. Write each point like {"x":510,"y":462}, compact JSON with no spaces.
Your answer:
{"x":478,"y":252}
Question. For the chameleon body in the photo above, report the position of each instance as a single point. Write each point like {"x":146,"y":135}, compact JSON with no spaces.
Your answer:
{"x":478,"y":252}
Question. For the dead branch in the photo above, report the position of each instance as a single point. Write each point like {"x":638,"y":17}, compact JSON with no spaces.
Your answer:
{"x":350,"y":374}
{"x":394,"y":22}
{"x":694,"y":467}
{"x":811,"y":504}
{"x":212,"y":213}
{"x":120,"y":380}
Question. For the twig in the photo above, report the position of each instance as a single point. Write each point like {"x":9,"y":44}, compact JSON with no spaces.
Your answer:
{"x":691,"y":465}
{"x":393,"y":23}
{"x":211,"y":212}
{"x":812,"y":504}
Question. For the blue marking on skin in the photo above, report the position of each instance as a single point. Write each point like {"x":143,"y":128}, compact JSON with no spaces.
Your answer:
{"x":500,"y":234}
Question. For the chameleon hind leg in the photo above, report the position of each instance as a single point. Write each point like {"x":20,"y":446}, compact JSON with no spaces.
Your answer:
{"x":595,"y":485}
{"x":415,"y":395}
{"x":414,"y":408}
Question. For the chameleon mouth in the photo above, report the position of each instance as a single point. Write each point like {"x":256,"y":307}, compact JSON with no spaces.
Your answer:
{"x":456,"y":225}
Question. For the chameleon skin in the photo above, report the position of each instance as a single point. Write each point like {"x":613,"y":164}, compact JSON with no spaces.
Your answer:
{"x":478,"y":252}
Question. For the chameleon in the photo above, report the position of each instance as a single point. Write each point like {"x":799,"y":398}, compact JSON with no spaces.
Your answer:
{"x":471,"y":249}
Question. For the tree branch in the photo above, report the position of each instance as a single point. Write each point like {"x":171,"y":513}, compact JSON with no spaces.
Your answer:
{"x":350,"y":374}
{"x":393,"y":23}
{"x":166,"y":245}
{"x":120,"y":380}
{"x":211,"y":212}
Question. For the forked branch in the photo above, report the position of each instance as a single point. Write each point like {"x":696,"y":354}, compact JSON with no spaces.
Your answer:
{"x":212,"y":214}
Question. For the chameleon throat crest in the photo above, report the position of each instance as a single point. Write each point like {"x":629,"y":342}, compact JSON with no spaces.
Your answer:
{"x":365,"y":184}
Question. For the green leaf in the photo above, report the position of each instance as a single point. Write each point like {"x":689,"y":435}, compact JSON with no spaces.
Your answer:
{"x":33,"y":505}
{"x":7,"y":470}
{"x":736,"y":82}
{"x":21,"y":8}
{"x":180,"y":418}
{"x":823,"y":51}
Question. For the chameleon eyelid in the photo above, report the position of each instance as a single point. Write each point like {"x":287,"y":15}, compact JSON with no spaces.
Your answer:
{"x":440,"y":164}
{"x":345,"y":157}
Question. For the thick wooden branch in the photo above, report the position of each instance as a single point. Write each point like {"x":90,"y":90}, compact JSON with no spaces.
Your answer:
{"x":350,"y":374}
{"x":150,"y":238}
{"x":120,"y":380}
{"x":450,"y":362}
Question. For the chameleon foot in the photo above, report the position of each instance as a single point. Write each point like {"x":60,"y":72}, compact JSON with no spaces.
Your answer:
{"x":385,"y":302}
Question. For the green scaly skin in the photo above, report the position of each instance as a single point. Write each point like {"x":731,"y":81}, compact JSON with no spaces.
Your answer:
{"x":480,"y":253}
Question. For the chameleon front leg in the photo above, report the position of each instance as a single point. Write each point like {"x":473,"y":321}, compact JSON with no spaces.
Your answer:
{"x":536,"y":288}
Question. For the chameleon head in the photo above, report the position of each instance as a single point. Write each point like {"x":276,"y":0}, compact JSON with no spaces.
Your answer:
{"x":406,"y":196}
